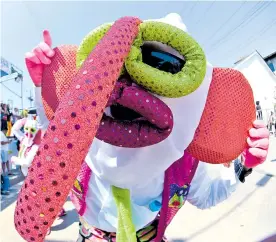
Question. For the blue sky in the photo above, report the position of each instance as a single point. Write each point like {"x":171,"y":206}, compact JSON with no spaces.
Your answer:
{"x":226,"y":30}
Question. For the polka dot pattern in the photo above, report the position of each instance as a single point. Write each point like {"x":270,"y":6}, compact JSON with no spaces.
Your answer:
{"x":60,"y":164}
{"x":229,"y":88}
{"x":166,"y":84}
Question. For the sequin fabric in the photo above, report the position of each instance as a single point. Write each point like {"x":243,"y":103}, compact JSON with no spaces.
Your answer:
{"x":57,"y":79}
{"x":180,"y":173}
{"x":62,"y":151}
{"x":155,"y":125}
{"x":80,"y":188}
{"x":166,"y":84}
{"x":177,"y":176}
{"x":90,"y":41}
{"x":222,"y":131}
{"x":157,"y":121}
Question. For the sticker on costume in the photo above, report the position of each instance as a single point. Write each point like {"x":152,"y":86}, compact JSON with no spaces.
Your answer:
{"x":178,"y":195}
{"x":77,"y":189}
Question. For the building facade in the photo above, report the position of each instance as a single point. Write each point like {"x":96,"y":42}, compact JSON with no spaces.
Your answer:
{"x":271,"y":62}
{"x":262,"y":81}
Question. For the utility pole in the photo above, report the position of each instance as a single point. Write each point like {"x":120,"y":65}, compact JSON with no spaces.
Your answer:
{"x":12,"y":73}
{"x":30,"y":98}
{"x":13,"y":77}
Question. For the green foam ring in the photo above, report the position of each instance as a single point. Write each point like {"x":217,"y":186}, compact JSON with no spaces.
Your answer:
{"x":89,"y":42}
{"x":162,"y":83}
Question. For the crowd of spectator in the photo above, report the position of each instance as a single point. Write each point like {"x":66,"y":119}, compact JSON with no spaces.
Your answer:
{"x":8,"y":118}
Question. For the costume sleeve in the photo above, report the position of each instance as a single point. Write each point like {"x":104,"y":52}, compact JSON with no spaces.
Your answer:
{"x":30,"y":156}
{"x":16,"y":129}
{"x":43,"y":122}
{"x":212,"y":184}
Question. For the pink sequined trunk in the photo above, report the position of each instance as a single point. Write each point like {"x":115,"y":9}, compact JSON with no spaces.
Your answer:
{"x":69,"y":135}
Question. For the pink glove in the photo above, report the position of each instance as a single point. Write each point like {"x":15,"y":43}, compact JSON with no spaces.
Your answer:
{"x":258,"y":143}
{"x":39,"y":57}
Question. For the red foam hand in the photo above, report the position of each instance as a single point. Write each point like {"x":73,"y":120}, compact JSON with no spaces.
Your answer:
{"x":71,"y":132}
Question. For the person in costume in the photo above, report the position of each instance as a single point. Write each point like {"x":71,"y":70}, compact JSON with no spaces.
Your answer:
{"x":140,"y":168}
{"x":29,"y":142}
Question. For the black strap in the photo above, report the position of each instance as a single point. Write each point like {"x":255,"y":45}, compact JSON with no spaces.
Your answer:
{"x":241,"y":170}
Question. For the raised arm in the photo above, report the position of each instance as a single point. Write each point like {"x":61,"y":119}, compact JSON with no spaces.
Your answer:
{"x":35,"y":62}
{"x":16,"y":129}
{"x":212,"y":184}
{"x":42,"y":120}
{"x":65,"y":145}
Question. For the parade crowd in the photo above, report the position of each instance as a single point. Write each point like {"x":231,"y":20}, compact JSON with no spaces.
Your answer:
{"x":9,"y":143}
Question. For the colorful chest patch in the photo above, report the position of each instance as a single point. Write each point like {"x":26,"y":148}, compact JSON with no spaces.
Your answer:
{"x":178,"y":195}
{"x":77,"y":189}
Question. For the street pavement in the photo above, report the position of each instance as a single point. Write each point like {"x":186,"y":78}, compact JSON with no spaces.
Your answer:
{"x":249,"y":215}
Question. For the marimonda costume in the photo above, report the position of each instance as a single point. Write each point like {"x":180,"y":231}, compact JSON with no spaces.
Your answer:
{"x":29,"y":142}
{"x":132,"y":110}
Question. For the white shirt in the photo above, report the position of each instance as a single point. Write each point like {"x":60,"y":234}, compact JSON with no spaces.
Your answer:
{"x":4,"y":139}
{"x":219,"y":182}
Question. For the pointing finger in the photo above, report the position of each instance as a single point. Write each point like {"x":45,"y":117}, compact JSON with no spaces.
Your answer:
{"x":47,"y":38}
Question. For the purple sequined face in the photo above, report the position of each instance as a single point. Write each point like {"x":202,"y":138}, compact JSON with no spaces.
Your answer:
{"x":134,"y":117}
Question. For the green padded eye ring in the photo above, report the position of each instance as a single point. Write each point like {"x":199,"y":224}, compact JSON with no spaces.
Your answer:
{"x":162,"y":83}
{"x":89,"y":42}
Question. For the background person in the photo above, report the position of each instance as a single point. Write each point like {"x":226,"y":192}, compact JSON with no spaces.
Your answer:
{"x":4,"y":162}
{"x":271,"y":121}
{"x":259,"y":111}
{"x":9,"y":120}
{"x":4,"y":151}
